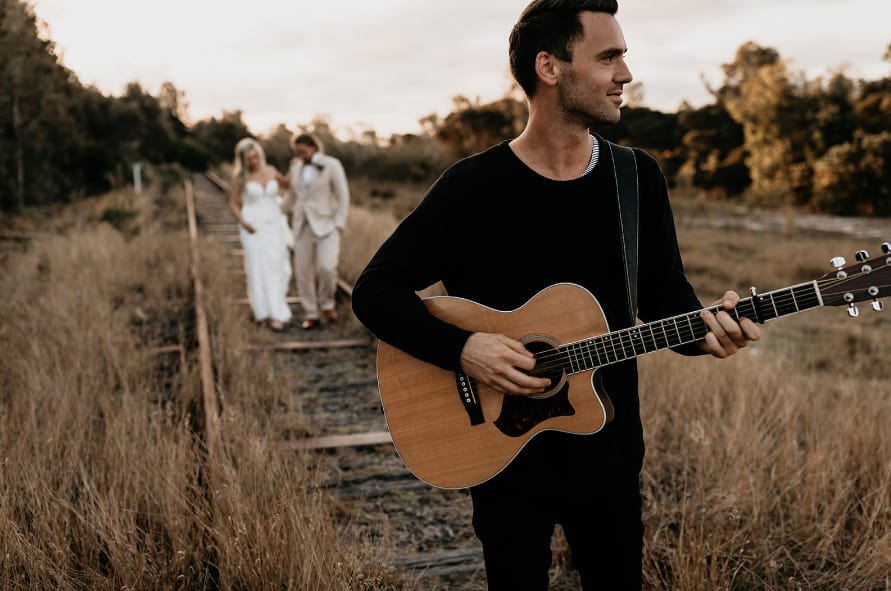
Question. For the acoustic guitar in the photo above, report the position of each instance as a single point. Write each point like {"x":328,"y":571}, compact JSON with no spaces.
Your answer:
{"x":452,"y":432}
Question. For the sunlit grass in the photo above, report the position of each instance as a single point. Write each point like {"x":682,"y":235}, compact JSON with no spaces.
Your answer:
{"x":771,"y":470}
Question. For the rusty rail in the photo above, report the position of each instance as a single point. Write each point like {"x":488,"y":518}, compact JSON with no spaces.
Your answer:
{"x":213,"y":438}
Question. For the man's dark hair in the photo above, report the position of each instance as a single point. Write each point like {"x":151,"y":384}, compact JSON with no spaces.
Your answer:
{"x":552,"y":26}
{"x":308,"y":139}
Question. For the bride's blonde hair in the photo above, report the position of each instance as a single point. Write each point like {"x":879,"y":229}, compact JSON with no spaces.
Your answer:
{"x":241,"y":150}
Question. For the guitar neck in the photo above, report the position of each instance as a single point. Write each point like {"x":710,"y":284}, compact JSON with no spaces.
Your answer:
{"x":629,"y":343}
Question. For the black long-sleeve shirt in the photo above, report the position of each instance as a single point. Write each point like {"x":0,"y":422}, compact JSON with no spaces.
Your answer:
{"x":496,"y":232}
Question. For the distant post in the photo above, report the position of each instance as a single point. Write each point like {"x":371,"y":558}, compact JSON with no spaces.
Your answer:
{"x":137,"y":177}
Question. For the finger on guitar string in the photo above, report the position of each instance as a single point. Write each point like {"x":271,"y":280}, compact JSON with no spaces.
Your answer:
{"x":727,"y":336}
{"x":498,"y":362}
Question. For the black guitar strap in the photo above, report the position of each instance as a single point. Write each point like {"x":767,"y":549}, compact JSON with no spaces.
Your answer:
{"x":625,"y":165}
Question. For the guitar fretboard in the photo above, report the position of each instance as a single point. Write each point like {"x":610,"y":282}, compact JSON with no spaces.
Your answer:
{"x":629,"y":343}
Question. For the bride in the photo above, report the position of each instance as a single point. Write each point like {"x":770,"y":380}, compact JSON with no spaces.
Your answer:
{"x":254,"y":201}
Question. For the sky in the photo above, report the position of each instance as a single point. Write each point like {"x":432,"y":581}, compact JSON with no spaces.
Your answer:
{"x":385,"y":64}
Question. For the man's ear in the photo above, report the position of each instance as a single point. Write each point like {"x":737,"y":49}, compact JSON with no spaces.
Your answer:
{"x":547,"y":66}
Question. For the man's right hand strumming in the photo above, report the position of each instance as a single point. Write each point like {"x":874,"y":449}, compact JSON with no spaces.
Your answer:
{"x":497,"y":361}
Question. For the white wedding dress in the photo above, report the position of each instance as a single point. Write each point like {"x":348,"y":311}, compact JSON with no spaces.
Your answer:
{"x":266,"y":259}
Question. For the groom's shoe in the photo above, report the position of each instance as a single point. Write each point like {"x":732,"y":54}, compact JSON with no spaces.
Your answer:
{"x":330,"y":315}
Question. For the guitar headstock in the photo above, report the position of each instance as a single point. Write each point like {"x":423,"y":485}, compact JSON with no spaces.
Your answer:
{"x":867,"y":279}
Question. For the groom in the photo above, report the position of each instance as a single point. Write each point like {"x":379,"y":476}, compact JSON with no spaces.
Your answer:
{"x":320,"y":198}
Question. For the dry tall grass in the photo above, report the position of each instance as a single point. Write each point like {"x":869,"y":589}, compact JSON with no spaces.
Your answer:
{"x":99,"y":486}
{"x":102,"y":477}
{"x":770,"y":471}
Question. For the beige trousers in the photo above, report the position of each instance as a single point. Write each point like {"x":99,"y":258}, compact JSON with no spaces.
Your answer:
{"x":315,"y":266}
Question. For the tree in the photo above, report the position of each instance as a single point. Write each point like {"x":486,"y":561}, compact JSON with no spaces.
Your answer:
{"x":853,"y":178}
{"x":277,"y":146}
{"x":652,"y":130}
{"x":712,"y":147}
{"x":835,"y":119}
{"x":873,"y":106}
{"x":775,"y":115}
{"x":33,"y":93}
{"x":472,"y":127}
{"x":219,"y":136}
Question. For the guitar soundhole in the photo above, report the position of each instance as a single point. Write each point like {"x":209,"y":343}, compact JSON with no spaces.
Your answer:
{"x":548,"y":363}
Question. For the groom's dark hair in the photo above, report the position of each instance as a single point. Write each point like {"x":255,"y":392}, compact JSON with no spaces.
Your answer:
{"x":308,"y":139}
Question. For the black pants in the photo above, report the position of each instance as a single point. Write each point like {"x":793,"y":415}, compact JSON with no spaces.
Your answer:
{"x":597,"y":503}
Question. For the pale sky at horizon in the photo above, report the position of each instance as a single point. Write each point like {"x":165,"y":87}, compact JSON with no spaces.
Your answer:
{"x":386,"y":64}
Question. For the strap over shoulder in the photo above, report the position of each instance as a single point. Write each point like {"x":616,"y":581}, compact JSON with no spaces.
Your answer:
{"x":627,"y":193}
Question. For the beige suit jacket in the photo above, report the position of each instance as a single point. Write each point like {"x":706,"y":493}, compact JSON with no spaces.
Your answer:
{"x":324,"y":202}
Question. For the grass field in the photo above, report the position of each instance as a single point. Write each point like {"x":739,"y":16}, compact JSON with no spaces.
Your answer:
{"x":768,"y":471}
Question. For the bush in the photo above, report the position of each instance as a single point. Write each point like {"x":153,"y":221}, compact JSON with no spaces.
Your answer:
{"x":855,"y":178}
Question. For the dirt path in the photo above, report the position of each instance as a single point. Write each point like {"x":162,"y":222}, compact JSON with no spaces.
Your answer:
{"x":424,"y":530}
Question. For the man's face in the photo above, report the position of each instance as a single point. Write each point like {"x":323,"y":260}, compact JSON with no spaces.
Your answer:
{"x":590,"y":87}
{"x":304,"y":152}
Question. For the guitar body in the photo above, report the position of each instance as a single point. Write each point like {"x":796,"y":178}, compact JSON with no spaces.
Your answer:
{"x":425,"y":406}
{"x":453,"y":433}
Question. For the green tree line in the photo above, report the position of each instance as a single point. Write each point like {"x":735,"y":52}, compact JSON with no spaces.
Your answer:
{"x":60,"y":139}
{"x":770,"y":135}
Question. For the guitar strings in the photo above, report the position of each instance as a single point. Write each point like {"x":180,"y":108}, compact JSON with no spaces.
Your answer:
{"x":620,"y":345}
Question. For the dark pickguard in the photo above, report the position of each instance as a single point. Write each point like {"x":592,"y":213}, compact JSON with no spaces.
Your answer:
{"x":520,"y":414}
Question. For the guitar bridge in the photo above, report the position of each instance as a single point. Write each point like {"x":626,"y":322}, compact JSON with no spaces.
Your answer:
{"x":467,"y":392}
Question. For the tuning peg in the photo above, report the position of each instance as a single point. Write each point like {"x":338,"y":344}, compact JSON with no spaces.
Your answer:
{"x":877,"y":306}
{"x":853,"y":311}
{"x":886,"y":247}
{"x":861,"y":255}
{"x":839,"y":263}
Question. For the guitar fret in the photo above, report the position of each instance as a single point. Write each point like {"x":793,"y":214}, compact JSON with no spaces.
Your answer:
{"x":584,"y":357}
{"x":638,"y":340}
{"x":580,"y":359}
{"x":590,"y":349}
{"x":745,"y":309}
{"x":650,"y":328}
{"x":622,"y":352}
{"x":622,"y":338}
{"x":653,"y":337}
{"x":612,"y":345}
{"x":785,"y":307}
{"x":592,"y":346}
{"x":567,"y":351}
{"x":634,"y":339}
{"x":635,"y":334}
{"x":573,"y":359}
{"x":643,"y":339}
{"x":701,"y":329}
{"x":569,"y":358}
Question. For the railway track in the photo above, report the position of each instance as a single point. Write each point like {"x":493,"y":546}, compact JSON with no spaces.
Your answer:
{"x":428,"y":530}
